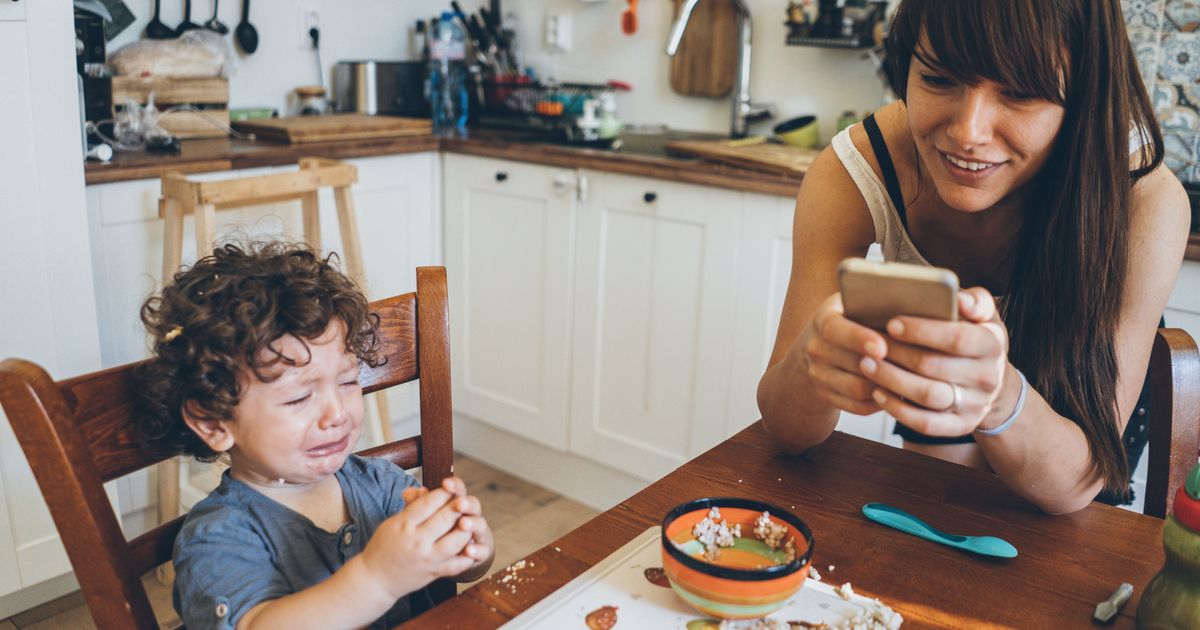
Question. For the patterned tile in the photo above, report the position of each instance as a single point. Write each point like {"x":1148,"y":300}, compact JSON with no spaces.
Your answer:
{"x":1145,"y":48}
{"x":1142,"y":14}
{"x":1181,"y":155}
{"x":1176,"y":108}
{"x":1179,"y":61}
{"x":1180,"y":15}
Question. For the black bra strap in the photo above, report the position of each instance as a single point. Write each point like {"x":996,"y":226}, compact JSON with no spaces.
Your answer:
{"x":885,"y":165}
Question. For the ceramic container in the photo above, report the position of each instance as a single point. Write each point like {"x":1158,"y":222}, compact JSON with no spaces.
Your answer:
{"x":732,"y":593}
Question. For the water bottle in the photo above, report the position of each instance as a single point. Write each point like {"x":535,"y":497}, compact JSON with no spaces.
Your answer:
{"x":447,"y":77}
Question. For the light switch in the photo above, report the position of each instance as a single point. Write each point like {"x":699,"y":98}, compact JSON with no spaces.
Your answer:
{"x":558,"y":32}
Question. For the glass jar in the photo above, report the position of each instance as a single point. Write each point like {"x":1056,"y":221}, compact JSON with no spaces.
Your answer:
{"x":310,"y":100}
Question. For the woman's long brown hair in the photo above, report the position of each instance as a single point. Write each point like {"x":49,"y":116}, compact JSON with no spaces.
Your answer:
{"x":1064,"y":295}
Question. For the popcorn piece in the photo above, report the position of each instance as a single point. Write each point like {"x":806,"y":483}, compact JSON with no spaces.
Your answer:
{"x":714,"y":532}
{"x":814,"y":574}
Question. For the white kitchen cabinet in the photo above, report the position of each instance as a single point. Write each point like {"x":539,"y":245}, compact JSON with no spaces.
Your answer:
{"x":48,"y":312}
{"x":655,"y":303}
{"x":509,"y":238}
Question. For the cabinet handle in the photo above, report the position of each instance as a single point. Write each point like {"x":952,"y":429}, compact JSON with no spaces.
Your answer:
{"x":501,"y":176}
{"x":650,"y":197}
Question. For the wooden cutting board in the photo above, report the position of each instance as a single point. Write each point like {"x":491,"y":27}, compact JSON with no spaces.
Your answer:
{"x":753,"y":153}
{"x":300,"y":129}
{"x":706,"y":60}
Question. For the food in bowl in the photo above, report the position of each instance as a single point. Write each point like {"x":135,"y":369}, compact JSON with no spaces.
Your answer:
{"x":722,"y":573}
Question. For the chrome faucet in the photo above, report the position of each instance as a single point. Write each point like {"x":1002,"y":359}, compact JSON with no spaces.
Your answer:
{"x":743,"y":110}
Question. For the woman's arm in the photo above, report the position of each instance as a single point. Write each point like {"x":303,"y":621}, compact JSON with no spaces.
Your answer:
{"x":1053,"y":466}
{"x":1042,"y":456}
{"x":831,"y":222}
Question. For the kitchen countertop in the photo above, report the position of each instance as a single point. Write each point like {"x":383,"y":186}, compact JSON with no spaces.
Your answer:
{"x":222,"y":154}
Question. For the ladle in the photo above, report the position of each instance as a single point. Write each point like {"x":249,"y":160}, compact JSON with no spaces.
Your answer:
{"x":245,"y":34}
{"x":155,"y":29}
{"x":187,"y":24}
{"x":214,"y":24}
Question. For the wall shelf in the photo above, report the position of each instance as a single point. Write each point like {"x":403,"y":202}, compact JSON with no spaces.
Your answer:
{"x":851,"y":43}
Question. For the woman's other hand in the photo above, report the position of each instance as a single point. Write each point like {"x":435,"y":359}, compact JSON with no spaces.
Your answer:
{"x":833,"y":350}
{"x":944,"y":378}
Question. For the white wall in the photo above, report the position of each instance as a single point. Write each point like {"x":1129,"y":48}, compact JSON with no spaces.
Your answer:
{"x":797,"y":80}
{"x":350,"y":29}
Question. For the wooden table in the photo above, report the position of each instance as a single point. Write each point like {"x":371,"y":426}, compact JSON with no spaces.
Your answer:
{"x":1066,"y":564}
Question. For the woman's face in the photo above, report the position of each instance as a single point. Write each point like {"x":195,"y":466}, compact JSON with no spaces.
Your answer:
{"x":979,"y":143}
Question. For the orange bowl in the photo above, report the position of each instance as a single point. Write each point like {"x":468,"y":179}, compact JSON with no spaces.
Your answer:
{"x":728,"y":592}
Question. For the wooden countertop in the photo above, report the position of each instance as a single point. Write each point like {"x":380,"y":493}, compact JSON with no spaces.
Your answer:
{"x":222,"y":154}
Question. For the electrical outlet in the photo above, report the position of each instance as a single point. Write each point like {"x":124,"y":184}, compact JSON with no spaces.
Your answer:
{"x":558,"y":32}
{"x":308,"y":17}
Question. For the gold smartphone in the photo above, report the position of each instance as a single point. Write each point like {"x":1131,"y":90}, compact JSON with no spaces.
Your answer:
{"x":875,"y":292}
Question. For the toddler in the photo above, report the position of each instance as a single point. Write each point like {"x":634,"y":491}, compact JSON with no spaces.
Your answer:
{"x":256,"y":360}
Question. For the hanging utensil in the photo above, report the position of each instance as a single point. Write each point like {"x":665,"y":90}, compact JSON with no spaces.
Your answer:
{"x":629,"y":18}
{"x":215,"y":25}
{"x":245,"y":33}
{"x":187,"y":24}
{"x":156,"y":29}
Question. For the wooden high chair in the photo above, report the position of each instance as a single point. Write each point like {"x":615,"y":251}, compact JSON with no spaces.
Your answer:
{"x":79,"y":433}
{"x":181,"y":196}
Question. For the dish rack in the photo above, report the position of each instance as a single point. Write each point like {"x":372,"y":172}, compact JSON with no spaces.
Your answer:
{"x":546,"y":109}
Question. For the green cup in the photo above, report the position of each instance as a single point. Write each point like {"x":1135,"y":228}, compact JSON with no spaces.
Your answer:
{"x":799,"y":132}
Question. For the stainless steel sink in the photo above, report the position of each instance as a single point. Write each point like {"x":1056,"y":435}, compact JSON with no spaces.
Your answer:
{"x":651,"y":139}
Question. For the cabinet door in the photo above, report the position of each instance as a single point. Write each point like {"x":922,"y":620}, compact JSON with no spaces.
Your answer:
{"x":509,"y":230}
{"x":654,"y":309}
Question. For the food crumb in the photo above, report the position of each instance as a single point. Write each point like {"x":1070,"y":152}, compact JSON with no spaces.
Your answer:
{"x":831,"y":568}
{"x":558,"y":550}
{"x":814,"y":574}
{"x":845,"y":591}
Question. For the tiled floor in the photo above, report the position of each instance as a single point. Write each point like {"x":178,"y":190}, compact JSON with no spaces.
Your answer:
{"x":523,"y":516}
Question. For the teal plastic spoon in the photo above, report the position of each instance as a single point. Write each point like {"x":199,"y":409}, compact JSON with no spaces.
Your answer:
{"x":905,"y":522}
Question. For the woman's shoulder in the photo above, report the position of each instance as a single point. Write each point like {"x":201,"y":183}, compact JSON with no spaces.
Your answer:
{"x":893,"y":126}
{"x":1159,"y":207}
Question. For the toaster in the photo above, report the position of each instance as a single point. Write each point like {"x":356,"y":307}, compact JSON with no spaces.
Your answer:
{"x":381,"y":87}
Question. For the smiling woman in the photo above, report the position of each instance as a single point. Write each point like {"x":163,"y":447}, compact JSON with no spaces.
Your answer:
{"x":1024,"y":156}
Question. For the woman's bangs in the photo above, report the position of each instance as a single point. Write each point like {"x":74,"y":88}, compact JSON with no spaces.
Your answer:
{"x":972,"y":41}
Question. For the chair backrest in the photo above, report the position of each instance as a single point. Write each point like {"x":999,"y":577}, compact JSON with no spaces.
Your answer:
{"x":1174,"y":417}
{"x":78,"y":434}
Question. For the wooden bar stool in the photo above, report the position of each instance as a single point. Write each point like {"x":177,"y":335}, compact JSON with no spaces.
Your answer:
{"x":181,"y":196}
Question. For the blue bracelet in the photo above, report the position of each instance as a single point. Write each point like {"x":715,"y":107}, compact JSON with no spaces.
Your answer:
{"x":1003,"y":426}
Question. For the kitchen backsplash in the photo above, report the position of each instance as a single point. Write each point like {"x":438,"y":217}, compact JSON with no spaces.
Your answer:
{"x":1166,"y":36}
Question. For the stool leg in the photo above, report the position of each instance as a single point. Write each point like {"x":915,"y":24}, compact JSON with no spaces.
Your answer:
{"x":310,"y":205}
{"x":352,"y":248}
{"x":168,"y":471}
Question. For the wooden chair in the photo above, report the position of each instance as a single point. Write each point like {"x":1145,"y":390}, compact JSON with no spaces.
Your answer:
{"x":1174,"y":417}
{"x":78,"y":434}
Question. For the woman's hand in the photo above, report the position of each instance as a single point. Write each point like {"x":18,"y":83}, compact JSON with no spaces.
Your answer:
{"x":833,"y":350}
{"x":943,"y":378}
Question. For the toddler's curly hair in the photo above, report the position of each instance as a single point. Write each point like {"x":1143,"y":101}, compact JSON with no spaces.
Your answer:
{"x":216,"y":319}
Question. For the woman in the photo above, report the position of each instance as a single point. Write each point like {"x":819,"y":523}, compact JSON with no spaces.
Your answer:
{"x":1024,"y":155}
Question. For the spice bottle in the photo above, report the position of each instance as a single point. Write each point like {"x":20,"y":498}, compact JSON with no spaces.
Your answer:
{"x":1172,"y":598}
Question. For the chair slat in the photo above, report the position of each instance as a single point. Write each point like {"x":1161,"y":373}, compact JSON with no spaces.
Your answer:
{"x":1174,"y":417}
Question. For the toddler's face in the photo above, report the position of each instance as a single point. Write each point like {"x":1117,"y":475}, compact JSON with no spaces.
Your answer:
{"x":303,"y":425}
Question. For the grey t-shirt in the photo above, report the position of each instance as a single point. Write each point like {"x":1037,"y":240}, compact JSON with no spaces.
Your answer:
{"x":239,"y":548}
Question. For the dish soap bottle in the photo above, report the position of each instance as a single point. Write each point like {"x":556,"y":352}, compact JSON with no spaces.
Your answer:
{"x":610,"y":125}
{"x":1172,"y":598}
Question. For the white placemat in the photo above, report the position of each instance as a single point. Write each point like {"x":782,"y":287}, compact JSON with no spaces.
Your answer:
{"x":619,"y":581}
